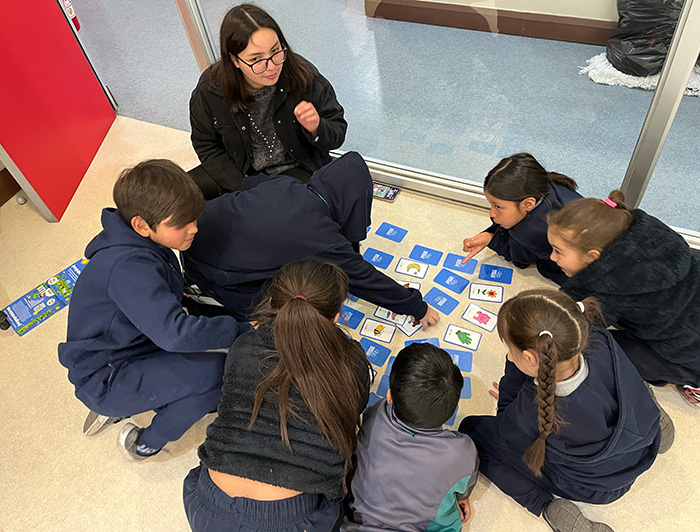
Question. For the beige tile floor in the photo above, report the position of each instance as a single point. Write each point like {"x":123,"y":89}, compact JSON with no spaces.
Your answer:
{"x":55,"y":479}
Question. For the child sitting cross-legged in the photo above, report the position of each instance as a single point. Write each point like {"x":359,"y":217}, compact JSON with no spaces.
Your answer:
{"x":411,"y":473}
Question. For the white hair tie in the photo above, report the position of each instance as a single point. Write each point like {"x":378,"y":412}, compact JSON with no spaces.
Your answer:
{"x":581,"y":306}
{"x":542,"y":333}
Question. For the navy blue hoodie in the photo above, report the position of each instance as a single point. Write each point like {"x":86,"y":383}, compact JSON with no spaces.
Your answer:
{"x":245,"y":237}
{"x":126,"y":303}
{"x":611,"y":433}
{"x":526,"y":242}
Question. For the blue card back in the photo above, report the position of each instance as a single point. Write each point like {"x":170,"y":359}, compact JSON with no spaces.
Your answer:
{"x":383,"y":386}
{"x":451,"y":421}
{"x":379,"y":259}
{"x":440,"y":301}
{"x":496,"y":273}
{"x":373,"y":398}
{"x":391,"y":232}
{"x":451,"y":281}
{"x":454,"y":262}
{"x":350,"y":317}
{"x":376,"y":354}
{"x":434,"y":341}
{"x":462,"y":359}
{"x":427,"y":255}
{"x":466,"y":389}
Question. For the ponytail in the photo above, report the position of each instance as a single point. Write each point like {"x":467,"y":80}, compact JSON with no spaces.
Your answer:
{"x":312,"y":354}
{"x":563,"y":180}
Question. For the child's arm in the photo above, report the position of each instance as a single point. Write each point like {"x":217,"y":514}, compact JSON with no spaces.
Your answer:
{"x":509,"y":385}
{"x":139,"y":288}
{"x":512,"y":250}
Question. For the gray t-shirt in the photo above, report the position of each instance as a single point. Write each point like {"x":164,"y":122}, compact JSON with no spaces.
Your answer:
{"x":269,"y":155}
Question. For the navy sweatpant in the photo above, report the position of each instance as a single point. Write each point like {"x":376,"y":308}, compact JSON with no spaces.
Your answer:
{"x":181,"y":388}
{"x":209,"y":509}
{"x":503,"y":465}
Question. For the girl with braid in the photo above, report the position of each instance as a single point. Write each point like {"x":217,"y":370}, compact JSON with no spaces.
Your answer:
{"x":574,"y":421}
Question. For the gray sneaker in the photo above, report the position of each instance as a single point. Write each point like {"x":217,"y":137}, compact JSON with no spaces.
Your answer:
{"x":129,"y":439}
{"x":564,"y":516}
{"x":668,"y":431}
{"x":94,"y":423}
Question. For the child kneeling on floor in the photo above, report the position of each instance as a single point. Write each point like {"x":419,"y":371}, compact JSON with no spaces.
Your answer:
{"x":412,"y":474}
{"x":276,"y":456}
{"x":574,"y":420}
{"x":130,"y":346}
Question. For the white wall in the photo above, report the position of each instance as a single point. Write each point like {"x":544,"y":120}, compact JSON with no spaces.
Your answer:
{"x":589,"y":9}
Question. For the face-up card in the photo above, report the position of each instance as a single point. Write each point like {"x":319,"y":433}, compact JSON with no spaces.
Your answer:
{"x":410,"y":328}
{"x":454,"y":262}
{"x":379,"y":259}
{"x":350,"y":317}
{"x":413,"y":268}
{"x":480,"y":317}
{"x":408,"y":284}
{"x":496,"y":273}
{"x":451,"y":281}
{"x":486,"y":292}
{"x":391,"y":232}
{"x":383,"y":386}
{"x":384,"y":314}
{"x":466,"y":389}
{"x":462,"y":337}
{"x":434,"y":341}
{"x":423,"y":254}
{"x":440,"y":301}
{"x":376,"y":354}
{"x":462,"y":359}
{"x":378,"y":331}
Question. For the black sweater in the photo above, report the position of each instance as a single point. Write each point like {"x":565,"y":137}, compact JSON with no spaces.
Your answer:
{"x":259,"y":454}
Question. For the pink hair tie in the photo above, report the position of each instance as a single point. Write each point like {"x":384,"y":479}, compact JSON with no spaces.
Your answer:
{"x":300,"y":297}
{"x":610,"y":202}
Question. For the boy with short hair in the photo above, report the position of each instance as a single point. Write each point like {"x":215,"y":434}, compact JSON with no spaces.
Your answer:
{"x":130,"y":346}
{"x":411,"y":473}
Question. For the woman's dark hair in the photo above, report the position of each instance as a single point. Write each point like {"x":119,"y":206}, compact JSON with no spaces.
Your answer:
{"x":425,"y":386}
{"x":590,"y":223}
{"x":158,"y":190}
{"x":238,"y":25}
{"x":520,"y":176}
{"x":313,"y":355}
{"x":521,"y":321}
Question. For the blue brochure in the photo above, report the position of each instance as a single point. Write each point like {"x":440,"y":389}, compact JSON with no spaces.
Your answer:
{"x":451,"y":281}
{"x":376,"y":354}
{"x":440,"y":301}
{"x":379,"y":259}
{"x":462,"y":359}
{"x":454,"y":262}
{"x":496,"y":273}
{"x":383,"y":386}
{"x":427,"y":255}
{"x":350,"y":317}
{"x":391,"y":232}
{"x":434,"y":341}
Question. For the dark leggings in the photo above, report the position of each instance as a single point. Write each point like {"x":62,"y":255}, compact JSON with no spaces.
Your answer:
{"x":211,"y":188}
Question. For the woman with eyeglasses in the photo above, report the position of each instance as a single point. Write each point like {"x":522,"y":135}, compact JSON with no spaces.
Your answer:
{"x":261,"y":108}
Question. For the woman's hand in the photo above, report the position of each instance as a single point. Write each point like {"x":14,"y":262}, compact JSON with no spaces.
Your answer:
{"x":475,"y":244}
{"x":307,"y":115}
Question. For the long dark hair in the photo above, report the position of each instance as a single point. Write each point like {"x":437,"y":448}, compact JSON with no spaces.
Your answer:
{"x":520,"y":176}
{"x":521,"y":321}
{"x":313,"y":354}
{"x":238,"y":25}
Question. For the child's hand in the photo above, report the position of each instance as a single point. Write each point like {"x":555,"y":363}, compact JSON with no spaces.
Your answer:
{"x":494,"y":393}
{"x":431,"y":317}
{"x":465,"y":510}
{"x":308,"y":117}
{"x":475,"y":244}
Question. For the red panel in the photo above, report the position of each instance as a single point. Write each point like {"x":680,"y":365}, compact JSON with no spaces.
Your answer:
{"x":53,"y":112}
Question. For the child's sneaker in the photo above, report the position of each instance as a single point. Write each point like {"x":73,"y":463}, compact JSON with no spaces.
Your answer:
{"x":94,"y":423}
{"x":668,"y":431}
{"x":129,"y":439}
{"x":690,"y":394}
{"x":564,"y":516}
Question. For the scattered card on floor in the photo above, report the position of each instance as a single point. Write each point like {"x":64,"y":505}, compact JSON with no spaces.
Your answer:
{"x":410,"y":328}
{"x":378,"y":331}
{"x":434,"y":341}
{"x":376,"y":354}
{"x":441,"y":301}
{"x":462,"y":337}
{"x":462,"y":359}
{"x":383,"y":386}
{"x":413,"y":268}
{"x":480,"y":317}
{"x":350,"y":317}
{"x":387,"y":371}
{"x":423,"y":254}
{"x":373,"y":398}
{"x":466,"y":389}
{"x":379,"y":259}
{"x":391,"y":232}
{"x":409,"y":284}
{"x":384,"y":314}
{"x":353,"y":298}
{"x":496,"y":273}
{"x":451,"y":281}
{"x":486,"y":292}
{"x":451,"y":421}
{"x":454,"y":262}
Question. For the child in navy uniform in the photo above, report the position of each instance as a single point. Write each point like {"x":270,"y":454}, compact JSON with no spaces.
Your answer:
{"x":130,"y":346}
{"x":412,"y":474}
{"x":574,"y":418}
{"x":522,"y":193}
{"x":646,"y":279}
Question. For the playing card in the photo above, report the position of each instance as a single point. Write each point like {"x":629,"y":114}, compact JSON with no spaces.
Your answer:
{"x":451,"y":421}
{"x":454,"y":262}
{"x":408,"y":284}
{"x":373,"y":398}
{"x":411,"y":267}
{"x":440,"y":301}
{"x":486,"y":292}
{"x":350,"y":317}
{"x":378,"y":331}
{"x":462,"y":337}
{"x":496,"y":273}
{"x":451,"y":281}
{"x":388,"y":315}
{"x":466,"y":389}
{"x":383,"y":386}
{"x":379,"y":259}
{"x":410,"y":328}
{"x":434,"y":341}
{"x":423,"y":254}
{"x":462,"y":359}
{"x":376,"y":354}
{"x":391,"y":232}
{"x":480,"y":317}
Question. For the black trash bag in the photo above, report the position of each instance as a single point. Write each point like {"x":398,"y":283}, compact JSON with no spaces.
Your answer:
{"x":644,"y":32}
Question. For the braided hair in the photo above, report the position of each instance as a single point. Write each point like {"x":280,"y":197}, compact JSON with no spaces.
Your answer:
{"x":551,"y":324}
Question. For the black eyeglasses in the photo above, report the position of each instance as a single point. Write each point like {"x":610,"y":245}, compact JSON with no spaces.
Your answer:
{"x":260,"y":66}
